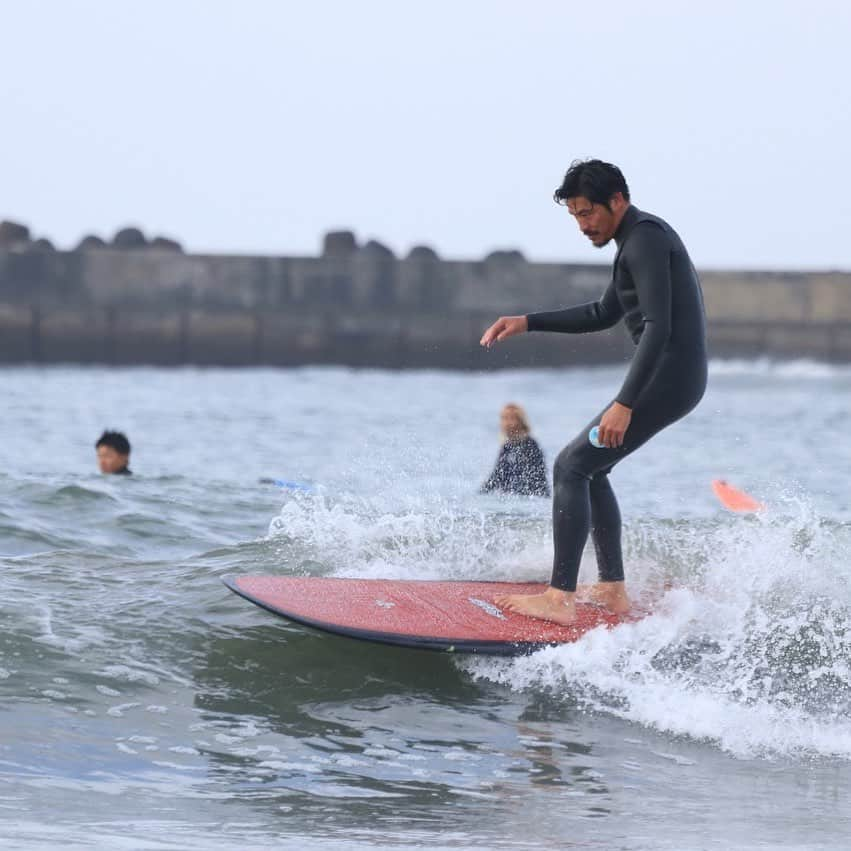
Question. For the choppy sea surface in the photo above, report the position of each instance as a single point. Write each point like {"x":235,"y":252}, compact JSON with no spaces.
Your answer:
{"x":142,"y":705}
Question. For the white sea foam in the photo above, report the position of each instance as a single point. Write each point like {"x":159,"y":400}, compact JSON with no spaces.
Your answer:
{"x":750,"y":653}
{"x":125,"y":673}
{"x":419,"y":537}
{"x":81,"y":637}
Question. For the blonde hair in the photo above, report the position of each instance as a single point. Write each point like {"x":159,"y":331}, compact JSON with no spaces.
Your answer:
{"x":515,"y":409}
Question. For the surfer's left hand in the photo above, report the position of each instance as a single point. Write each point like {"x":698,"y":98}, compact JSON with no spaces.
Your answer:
{"x":614,"y":424}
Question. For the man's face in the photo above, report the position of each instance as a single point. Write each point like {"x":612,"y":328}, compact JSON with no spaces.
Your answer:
{"x":111,"y":460}
{"x":596,"y":221}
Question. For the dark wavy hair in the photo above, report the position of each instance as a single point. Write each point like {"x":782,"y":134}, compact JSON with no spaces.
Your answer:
{"x":595,"y":180}
{"x":114,"y":440}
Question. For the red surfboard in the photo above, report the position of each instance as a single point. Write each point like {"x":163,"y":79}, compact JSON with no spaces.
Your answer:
{"x":452,"y":616}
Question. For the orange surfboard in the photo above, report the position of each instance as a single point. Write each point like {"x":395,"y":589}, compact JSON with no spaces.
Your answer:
{"x":735,"y":499}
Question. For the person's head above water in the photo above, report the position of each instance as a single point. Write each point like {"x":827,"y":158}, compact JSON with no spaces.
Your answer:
{"x":113,"y":450}
{"x":596,"y":195}
{"x":513,"y":422}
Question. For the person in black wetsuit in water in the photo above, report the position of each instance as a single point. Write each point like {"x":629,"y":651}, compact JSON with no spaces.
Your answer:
{"x":113,"y":452}
{"x":656,"y":291}
{"x":520,"y":467}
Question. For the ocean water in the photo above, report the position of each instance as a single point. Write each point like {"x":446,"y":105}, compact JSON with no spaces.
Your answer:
{"x":142,"y":705}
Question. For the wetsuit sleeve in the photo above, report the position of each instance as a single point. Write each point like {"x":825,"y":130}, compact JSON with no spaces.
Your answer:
{"x":538,"y":485}
{"x":593,"y":316}
{"x":648,"y":259}
{"x":495,"y":480}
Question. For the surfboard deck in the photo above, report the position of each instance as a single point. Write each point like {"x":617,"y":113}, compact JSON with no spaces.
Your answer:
{"x":451,"y":616}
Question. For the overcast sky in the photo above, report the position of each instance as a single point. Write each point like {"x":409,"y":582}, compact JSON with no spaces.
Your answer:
{"x":255,"y":126}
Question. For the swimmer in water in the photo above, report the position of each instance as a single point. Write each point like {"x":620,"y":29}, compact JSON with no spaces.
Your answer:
{"x":656,"y":291}
{"x":113,"y":451}
{"x":520,"y":467}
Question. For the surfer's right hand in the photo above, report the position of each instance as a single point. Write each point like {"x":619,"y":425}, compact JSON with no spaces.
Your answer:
{"x":505,"y":326}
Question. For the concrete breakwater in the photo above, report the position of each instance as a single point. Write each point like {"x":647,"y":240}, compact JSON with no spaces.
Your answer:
{"x":140,"y":302}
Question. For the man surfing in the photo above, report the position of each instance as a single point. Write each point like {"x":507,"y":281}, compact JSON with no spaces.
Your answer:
{"x":656,"y":291}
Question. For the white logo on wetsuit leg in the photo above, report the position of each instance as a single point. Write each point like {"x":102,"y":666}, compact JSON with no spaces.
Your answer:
{"x":385,"y":604}
{"x":490,"y":608}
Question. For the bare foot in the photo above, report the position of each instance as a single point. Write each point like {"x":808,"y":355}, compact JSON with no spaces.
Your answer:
{"x":612,"y":595}
{"x":552,"y":605}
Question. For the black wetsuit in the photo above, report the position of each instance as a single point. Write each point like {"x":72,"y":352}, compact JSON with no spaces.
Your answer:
{"x":519,"y":469}
{"x":656,"y":291}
